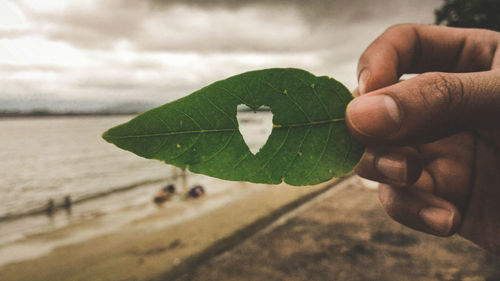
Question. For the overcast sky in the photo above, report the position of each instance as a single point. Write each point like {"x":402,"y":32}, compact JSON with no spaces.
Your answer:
{"x":88,"y":54}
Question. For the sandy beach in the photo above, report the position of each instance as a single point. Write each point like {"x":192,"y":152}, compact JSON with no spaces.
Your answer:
{"x":346,"y":236}
{"x":326,"y":232}
{"x":145,"y":248}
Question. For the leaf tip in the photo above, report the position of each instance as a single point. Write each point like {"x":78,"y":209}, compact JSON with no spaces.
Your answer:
{"x":106,"y":136}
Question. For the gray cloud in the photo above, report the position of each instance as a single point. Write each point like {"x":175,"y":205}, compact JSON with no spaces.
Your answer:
{"x":103,"y":27}
{"x":316,"y":12}
{"x":160,"y":50}
{"x":89,"y":26}
{"x":313,"y":11}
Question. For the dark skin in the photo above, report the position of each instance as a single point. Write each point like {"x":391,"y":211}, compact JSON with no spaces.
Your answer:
{"x":433,"y":141}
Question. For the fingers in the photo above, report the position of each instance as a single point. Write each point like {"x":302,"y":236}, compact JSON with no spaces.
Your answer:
{"x":411,"y":48}
{"x":398,"y":166}
{"x":443,"y":167}
{"x":420,"y":210}
{"x":434,"y":197}
{"x":426,"y":108}
{"x":356,"y":93}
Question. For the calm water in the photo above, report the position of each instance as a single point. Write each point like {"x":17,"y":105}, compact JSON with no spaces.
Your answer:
{"x":53,"y":157}
{"x":50,"y":158}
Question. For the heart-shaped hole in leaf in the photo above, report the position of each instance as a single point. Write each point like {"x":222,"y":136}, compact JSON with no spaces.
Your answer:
{"x":255,"y":126}
{"x":309,"y":143}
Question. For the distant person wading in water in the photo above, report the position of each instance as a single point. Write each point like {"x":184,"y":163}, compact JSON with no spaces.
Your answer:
{"x":196,"y":191}
{"x":164,"y":194}
{"x":433,"y":141}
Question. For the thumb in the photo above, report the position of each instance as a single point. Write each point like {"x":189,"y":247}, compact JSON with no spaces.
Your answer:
{"x":426,"y":108}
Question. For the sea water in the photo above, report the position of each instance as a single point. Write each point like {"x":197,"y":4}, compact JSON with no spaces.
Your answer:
{"x":50,"y":158}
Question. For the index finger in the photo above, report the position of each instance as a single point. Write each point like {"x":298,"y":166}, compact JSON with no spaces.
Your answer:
{"x":413,"y":48}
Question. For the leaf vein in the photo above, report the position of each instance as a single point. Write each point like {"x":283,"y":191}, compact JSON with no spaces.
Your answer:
{"x":207,"y":131}
{"x":322,"y":154}
{"x":298,"y":150}
{"x":347,"y":154}
{"x":317,"y":97}
{"x":188,"y":116}
{"x":187,"y":149}
{"x":254,"y":104}
{"x":231,"y":94}
{"x":291,"y":100}
{"x":218,"y":151}
{"x":164,"y":123}
{"x":219,"y":109}
{"x":242,"y":159}
{"x":277,"y":150}
{"x":312,"y":123}
{"x":203,"y":115}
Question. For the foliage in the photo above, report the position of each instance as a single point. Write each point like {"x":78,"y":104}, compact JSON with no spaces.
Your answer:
{"x":309,"y":142}
{"x":470,"y":13}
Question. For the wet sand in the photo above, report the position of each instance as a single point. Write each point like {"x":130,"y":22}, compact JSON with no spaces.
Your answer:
{"x":147,"y":248}
{"x":278,"y":233}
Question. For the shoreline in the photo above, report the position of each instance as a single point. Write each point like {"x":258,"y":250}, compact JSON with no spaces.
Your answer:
{"x":108,"y":214}
{"x":274,"y":233}
{"x":14,"y":115}
{"x":59,"y":203}
{"x":149,"y":246}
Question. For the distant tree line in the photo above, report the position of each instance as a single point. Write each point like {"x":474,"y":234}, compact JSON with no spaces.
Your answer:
{"x":470,"y":13}
{"x":48,"y":113}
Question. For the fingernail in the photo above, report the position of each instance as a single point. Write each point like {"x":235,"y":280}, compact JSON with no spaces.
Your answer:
{"x":439,"y":220}
{"x":363,"y":76}
{"x":392,"y":166}
{"x":374,"y":116}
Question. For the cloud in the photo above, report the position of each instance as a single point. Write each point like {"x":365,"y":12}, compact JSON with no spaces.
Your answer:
{"x":86,"y":24}
{"x":214,"y":25}
{"x":312,"y":11}
{"x":174,"y":28}
{"x":161,"y":50}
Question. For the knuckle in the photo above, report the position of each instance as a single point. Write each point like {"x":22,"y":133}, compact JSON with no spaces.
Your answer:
{"x":442,"y":91}
{"x":441,"y":87}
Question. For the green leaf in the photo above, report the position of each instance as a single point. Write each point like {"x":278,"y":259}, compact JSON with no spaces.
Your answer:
{"x":309,"y":143}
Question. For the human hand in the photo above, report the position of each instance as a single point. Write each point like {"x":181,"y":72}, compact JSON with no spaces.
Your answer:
{"x":433,"y":141}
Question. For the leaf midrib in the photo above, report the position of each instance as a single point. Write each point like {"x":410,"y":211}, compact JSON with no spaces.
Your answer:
{"x":312,"y":123}
{"x":205,"y":131}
